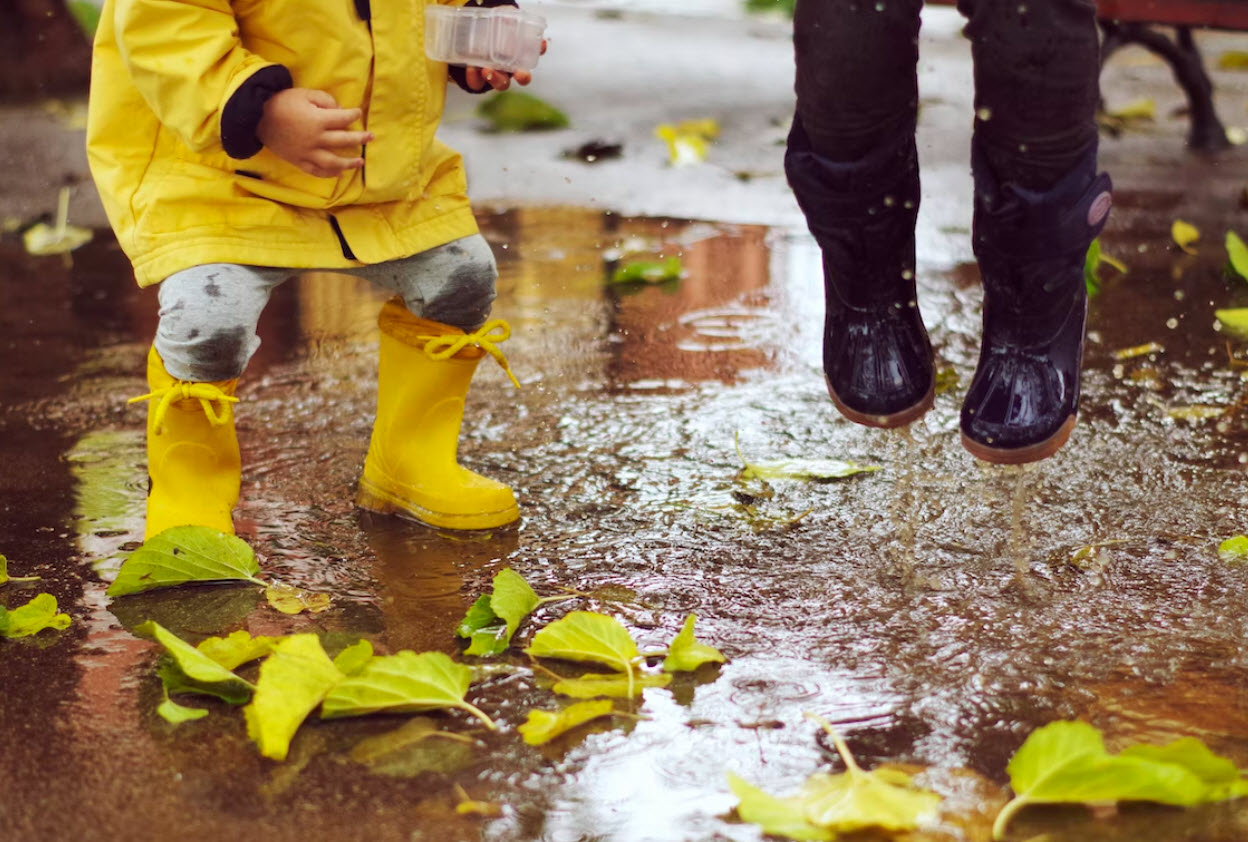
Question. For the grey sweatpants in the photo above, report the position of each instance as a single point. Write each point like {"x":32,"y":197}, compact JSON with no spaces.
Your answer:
{"x":208,"y":313}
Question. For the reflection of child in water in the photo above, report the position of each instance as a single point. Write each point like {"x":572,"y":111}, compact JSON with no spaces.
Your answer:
{"x":235,"y":144}
{"x":1039,"y":203}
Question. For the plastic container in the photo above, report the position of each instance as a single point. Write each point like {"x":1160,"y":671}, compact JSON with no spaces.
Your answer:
{"x":503,"y":37}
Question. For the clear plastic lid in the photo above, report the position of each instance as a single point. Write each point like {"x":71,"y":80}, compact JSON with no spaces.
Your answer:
{"x":503,"y":37}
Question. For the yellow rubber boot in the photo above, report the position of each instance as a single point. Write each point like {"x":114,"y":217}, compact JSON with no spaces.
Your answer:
{"x":412,"y":470}
{"x":193,"y":463}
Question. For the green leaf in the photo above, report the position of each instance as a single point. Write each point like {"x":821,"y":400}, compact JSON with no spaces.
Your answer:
{"x":291,"y":600}
{"x":492,"y":620}
{"x":586,"y":636}
{"x":237,"y":648}
{"x":1066,"y":762}
{"x":1237,"y":255}
{"x":1221,"y":776}
{"x":648,"y":271}
{"x":1184,"y":234}
{"x":1234,"y":550}
{"x":1234,"y":321}
{"x":33,"y":617}
{"x":5,"y":577}
{"x":517,"y":111}
{"x":186,"y":554}
{"x":616,"y":685}
{"x":686,"y":653}
{"x":196,"y":671}
{"x":353,"y":659}
{"x":543,"y":726}
{"x":857,"y":799}
{"x":87,"y":14}
{"x":776,"y":816}
{"x":176,"y":714}
{"x":800,"y":469}
{"x":403,"y":683}
{"x":784,"y":7}
{"x":513,"y":599}
{"x":1091,"y":268}
{"x":293,"y":681}
{"x":479,"y":616}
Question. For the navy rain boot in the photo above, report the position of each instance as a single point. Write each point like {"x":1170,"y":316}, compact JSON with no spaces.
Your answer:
{"x":1031,"y":248}
{"x":876,"y":354}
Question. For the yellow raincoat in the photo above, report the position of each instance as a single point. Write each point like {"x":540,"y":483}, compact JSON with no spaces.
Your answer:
{"x":164,"y":70}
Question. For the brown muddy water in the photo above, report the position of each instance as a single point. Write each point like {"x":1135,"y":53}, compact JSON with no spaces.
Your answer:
{"x":936,"y":611}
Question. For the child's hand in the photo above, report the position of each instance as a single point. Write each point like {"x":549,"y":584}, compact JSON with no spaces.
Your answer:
{"x":478,"y":77}
{"x":306,"y":127}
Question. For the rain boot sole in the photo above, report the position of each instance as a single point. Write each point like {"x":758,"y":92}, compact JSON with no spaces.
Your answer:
{"x":903,"y":418}
{"x":382,"y":502}
{"x":1020,"y":455}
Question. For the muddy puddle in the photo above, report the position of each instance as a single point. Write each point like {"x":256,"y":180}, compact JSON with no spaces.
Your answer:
{"x":936,"y":611}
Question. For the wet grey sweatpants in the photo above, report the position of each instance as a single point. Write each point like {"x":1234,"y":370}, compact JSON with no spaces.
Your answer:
{"x":208,"y":314}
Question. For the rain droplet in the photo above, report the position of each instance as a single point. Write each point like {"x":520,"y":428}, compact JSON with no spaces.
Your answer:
{"x":907,"y":274}
{"x":1172,"y":323}
{"x":879,"y":7}
{"x":1179,"y":295}
{"x":984,"y":114}
{"x":889,"y":201}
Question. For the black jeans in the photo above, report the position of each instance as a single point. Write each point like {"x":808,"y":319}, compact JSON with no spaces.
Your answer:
{"x":1037,"y":68}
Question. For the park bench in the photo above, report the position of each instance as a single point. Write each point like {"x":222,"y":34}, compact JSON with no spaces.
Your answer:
{"x":1126,"y":22}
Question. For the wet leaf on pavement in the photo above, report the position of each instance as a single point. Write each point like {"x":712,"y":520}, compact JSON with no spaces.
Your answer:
{"x":289,"y":599}
{"x":1234,"y":321}
{"x":293,"y":680}
{"x":1184,"y":234}
{"x":1237,"y":255}
{"x":193,"y":671}
{"x":237,"y":648}
{"x":687,"y":653}
{"x":403,"y":683}
{"x":648,"y":271}
{"x":5,"y":577}
{"x":614,"y":685}
{"x":1234,"y":550}
{"x":492,"y":620}
{"x":517,"y":111}
{"x":176,"y":714}
{"x":830,"y":804}
{"x":592,"y":637}
{"x":800,"y":469}
{"x":183,"y":555}
{"x":543,"y":726}
{"x":36,"y":615}
{"x":1066,"y":762}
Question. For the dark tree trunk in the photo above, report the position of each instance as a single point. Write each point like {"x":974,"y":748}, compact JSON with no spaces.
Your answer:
{"x":43,"y":50}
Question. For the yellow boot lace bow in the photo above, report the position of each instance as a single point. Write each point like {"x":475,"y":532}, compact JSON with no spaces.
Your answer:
{"x":214,"y":402}
{"x":445,"y":346}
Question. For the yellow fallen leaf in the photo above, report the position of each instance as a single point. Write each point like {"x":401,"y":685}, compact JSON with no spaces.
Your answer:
{"x":1233,"y":60}
{"x":1195,"y":413}
{"x":1141,"y":109}
{"x":1184,"y":234}
{"x":687,"y":141}
{"x":59,"y":238}
{"x":1138,"y":351}
{"x":291,"y":600}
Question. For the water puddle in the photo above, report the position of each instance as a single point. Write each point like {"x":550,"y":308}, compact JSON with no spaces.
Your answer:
{"x":889,"y":603}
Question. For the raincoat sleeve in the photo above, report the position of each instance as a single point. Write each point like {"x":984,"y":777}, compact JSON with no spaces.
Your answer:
{"x":187,"y":61}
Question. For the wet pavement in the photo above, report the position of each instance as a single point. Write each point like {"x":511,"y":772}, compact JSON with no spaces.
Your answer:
{"x":936,"y":611}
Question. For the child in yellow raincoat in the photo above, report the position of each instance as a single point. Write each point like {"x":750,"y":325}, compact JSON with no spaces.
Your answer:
{"x":237,"y":142}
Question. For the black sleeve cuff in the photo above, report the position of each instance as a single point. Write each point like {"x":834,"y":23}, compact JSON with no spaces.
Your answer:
{"x":459,"y":74}
{"x":241,"y":115}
